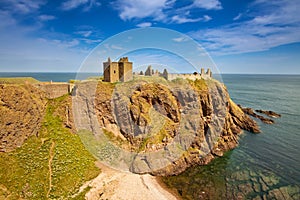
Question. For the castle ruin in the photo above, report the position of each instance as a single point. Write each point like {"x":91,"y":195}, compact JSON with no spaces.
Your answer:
{"x":122,"y":71}
{"x":117,"y":71}
{"x":171,"y":76}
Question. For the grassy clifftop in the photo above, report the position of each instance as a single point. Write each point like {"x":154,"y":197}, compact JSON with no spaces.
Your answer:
{"x":18,"y":80}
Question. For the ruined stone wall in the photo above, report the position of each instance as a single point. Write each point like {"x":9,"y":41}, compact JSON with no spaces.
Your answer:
{"x":54,"y":90}
{"x":187,"y":76}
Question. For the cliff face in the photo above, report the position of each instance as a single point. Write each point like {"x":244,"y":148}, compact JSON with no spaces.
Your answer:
{"x":22,"y":108}
{"x":163,"y":127}
{"x":203,"y":120}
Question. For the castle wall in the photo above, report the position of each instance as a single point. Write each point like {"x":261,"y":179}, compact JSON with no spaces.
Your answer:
{"x":187,"y":76}
{"x":114,"y":72}
{"x":125,"y":71}
{"x":54,"y":90}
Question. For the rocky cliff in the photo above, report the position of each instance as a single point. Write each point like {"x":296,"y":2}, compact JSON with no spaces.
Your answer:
{"x":22,"y":109}
{"x":149,"y":117}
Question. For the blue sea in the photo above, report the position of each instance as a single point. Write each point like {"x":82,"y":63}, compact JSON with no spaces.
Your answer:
{"x":50,"y":76}
{"x":263,"y":166}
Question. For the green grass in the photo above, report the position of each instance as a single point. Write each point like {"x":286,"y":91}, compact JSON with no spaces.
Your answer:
{"x":25,"y":172}
{"x":18,"y":80}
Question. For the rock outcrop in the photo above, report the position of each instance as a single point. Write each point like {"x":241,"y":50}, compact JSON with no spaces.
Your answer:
{"x":22,"y":109}
{"x":265,"y":120}
{"x":269,"y":113}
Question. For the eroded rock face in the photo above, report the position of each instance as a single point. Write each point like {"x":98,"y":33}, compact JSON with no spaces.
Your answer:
{"x":207,"y":113}
{"x":22,"y":108}
{"x":153,"y":95}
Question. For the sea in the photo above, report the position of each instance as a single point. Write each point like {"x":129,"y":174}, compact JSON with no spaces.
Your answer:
{"x":264,"y":165}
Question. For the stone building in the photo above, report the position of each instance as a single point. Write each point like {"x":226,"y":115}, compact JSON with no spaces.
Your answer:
{"x":117,"y":71}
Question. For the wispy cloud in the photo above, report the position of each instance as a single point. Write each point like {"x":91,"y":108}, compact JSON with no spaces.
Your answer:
{"x":207,"y":4}
{"x":183,"y":19}
{"x":46,"y":17}
{"x":116,"y":47}
{"x":179,"y":19}
{"x":180,"y":39}
{"x":73,"y":4}
{"x":264,"y":31}
{"x":163,"y":10}
{"x":84,"y":33}
{"x":66,"y":44}
{"x":22,"y":6}
{"x":144,"y":24}
{"x":237,"y":17}
{"x":131,"y":9}
{"x":113,"y":47}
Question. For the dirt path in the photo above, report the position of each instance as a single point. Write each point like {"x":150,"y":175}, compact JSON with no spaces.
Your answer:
{"x":113,"y":184}
{"x":51,"y":155}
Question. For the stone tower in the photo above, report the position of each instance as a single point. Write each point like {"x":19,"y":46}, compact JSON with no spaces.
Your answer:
{"x":125,"y":69}
{"x":117,"y":71}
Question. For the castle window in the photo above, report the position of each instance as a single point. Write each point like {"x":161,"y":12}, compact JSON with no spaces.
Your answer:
{"x":114,"y":71}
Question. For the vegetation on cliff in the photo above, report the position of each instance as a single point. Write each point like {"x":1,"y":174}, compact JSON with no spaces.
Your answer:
{"x":52,"y":164}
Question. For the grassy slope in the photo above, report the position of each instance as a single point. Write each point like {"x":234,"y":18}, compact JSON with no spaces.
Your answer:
{"x":53,"y":165}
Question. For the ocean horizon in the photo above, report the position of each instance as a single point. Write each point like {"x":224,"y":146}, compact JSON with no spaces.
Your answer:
{"x":66,"y":76}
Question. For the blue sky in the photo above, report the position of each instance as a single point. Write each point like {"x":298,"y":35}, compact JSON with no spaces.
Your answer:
{"x":258,"y":36}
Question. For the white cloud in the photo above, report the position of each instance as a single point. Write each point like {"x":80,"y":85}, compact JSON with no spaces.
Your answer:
{"x":131,"y":9}
{"x":46,"y":17}
{"x":84,"y":33}
{"x":180,"y":39}
{"x":208,"y":4}
{"x":144,"y":24}
{"x":72,"y":4}
{"x":162,"y":10}
{"x":65,"y":44}
{"x":183,"y":19}
{"x":206,"y":18}
{"x":113,"y":47}
{"x":237,"y":17}
{"x":91,"y":41}
{"x":116,"y":47}
{"x":22,"y":6}
{"x":264,"y":31}
{"x":21,"y":53}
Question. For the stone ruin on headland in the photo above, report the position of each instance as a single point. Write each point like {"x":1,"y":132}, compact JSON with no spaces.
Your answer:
{"x":122,"y":71}
{"x":171,"y":76}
